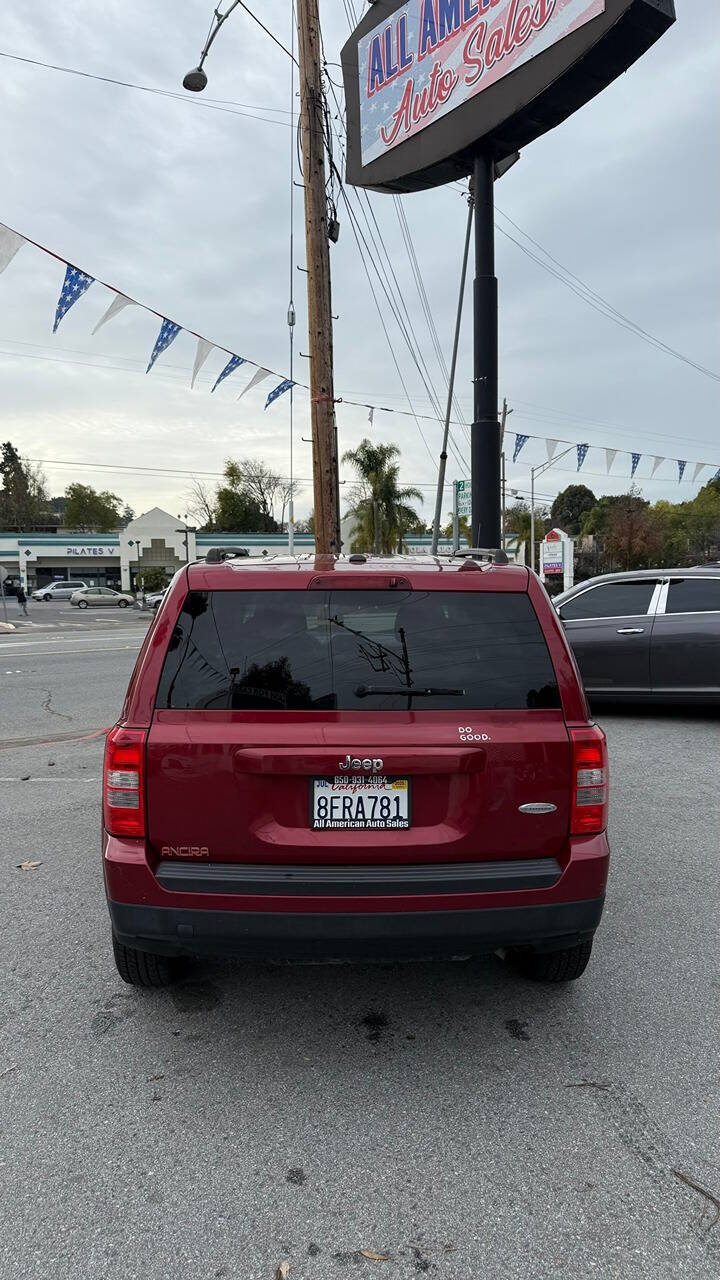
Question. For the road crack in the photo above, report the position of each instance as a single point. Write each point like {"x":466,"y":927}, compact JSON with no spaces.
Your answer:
{"x":47,"y":706}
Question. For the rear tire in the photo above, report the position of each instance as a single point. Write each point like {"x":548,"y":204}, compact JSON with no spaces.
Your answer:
{"x":554,"y":966}
{"x":142,"y":968}
{"x":82,"y":604}
{"x":122,"y":604}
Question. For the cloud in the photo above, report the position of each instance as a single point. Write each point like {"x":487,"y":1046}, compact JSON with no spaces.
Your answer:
{"x":187,"y":209}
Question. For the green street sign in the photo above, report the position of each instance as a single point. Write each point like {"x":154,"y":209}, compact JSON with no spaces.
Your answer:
{"x":464,"y":498}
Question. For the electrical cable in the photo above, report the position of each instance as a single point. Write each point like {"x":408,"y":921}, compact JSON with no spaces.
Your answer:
{"x":208,"y":104}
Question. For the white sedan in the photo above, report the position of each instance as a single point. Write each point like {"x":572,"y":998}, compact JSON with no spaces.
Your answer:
{"x":90,"y":596}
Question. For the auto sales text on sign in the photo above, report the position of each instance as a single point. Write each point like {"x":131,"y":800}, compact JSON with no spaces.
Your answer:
{"x":433,"y":55}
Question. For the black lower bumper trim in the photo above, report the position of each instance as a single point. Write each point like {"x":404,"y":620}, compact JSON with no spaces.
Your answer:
{"x":359,"y":881}
{"x":270,"y":935}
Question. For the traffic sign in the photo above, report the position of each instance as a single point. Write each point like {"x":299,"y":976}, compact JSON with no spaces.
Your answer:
{"x":464,"y":498}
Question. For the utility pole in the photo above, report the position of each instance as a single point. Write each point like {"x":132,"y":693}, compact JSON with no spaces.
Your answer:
{"x":320,"y":333}
{"x":485,"y":437}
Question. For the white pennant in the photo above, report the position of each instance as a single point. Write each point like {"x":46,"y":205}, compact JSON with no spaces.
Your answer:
{"x":699,"y":466}
{"x":551,"y":446}
{"x":371,"y":416}
{"x":203,"y":351}
{"x":657,"y":462}
{"x":118,"y":304}
{"x":260,"y":376}
{"x":10,"y":242}
{"x":610,"y":456}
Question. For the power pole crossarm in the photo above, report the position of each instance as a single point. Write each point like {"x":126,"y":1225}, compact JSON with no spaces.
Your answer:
{"x":320,"y":332}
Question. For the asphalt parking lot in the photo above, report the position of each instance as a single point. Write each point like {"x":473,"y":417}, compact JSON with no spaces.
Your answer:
{"x":454,"y":1119}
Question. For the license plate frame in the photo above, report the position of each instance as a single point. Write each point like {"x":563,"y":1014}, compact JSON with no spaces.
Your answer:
{"x":358,"y":784}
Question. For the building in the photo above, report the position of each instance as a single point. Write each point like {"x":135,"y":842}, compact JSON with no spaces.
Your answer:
{"x":155,"y":540}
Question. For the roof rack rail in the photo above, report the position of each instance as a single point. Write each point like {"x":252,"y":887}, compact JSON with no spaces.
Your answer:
{"x":495,"y":555}
{"x":216,"y":555}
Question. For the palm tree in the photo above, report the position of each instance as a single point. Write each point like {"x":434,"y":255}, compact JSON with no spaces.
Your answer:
{"x":377,"y":490}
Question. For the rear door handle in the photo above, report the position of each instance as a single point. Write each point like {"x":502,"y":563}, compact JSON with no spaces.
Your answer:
{"x":630,"y":631}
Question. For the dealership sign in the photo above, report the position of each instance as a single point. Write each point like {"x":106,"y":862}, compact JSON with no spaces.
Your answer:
{"x":436,"y":54}
{"x":428,"y":81}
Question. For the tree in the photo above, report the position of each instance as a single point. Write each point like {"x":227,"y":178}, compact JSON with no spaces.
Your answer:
{"x":154,"y":578}
{"x":201,"y":503}
{"x":88,"y":511}
{"x":378,"y":492}
{"x":570,"y":506}
{"x":237,"y":512}
{"x":264,"y":486}
{"x":307,"y":525}
{"x":23,"y":498}
{"x":463,"y":529}
{"x":624,"y":527}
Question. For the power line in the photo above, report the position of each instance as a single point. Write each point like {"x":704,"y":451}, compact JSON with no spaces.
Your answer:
{"x":598,"y":303}
{"x":209,"y":104}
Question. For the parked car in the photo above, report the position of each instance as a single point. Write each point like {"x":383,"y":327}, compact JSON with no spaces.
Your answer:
{"x":653,"y":634}
{"x":101,"y":597}
{"x":155,"y":599}
{"x":383,"y":758}
{"x":61,"y":590}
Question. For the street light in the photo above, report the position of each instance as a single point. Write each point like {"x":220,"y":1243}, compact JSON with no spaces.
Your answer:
{"x":544,"y":466}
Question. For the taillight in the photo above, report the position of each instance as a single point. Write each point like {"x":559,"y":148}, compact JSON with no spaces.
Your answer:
{"x":124,"y":783}
{"x":589,"y":781}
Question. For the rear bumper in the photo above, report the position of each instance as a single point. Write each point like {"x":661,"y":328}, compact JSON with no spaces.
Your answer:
{"x":273,"y":935}
{"x":350,"y":912}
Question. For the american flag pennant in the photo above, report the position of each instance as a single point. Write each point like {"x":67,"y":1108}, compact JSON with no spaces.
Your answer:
{"x":119,"y":303}
{"x":203,"y":351}
{"x":233,"y":363}
{"x":635,"y":461}
{"x":681,"y":468}
{"x":520,"y":440}
{"x":581,"y":454}
{"x":278,"y":391}
{"x":10,"y":242}
{"x":74,"y":286}
{"x":259,"y":376}
{"x":168,"y":333}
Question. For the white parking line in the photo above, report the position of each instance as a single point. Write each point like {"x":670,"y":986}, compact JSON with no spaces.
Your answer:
{"x":55,"y":780}
{"x":70,"y":653}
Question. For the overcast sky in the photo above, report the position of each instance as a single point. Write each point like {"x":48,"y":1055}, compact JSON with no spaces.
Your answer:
{"x":186,"y":208}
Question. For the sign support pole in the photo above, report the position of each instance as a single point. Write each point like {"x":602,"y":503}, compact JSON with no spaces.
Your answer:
{"x":451,"y":384}
{"x":455,"y":520}
{"x":485,"y":439}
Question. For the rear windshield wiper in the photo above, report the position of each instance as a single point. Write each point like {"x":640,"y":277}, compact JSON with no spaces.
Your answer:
{"x":366,"y":690}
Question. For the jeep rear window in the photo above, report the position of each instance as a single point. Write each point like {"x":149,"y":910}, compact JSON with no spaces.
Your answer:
{"x":323,"y":651}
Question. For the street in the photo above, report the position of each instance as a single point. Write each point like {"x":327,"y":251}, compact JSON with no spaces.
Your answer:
{"x":455,"y":1118}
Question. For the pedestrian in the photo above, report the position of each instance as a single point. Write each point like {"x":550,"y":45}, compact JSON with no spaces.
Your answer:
{"x":22,"y":600}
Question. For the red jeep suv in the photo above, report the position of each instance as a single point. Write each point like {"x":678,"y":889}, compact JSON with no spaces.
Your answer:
{"x":353,"y":758}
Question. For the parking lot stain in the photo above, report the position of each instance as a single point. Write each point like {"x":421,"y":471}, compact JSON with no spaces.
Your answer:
{"x":196,"y":997}
{"x":313,"y":1249}
{"x":109,"y":1020}
{"x":516,"y":1029}
{"x":296,"y":1177}
{"x":376,"y":1025}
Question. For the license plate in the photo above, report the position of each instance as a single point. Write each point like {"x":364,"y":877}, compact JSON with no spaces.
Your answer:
{"x":356,"y":803}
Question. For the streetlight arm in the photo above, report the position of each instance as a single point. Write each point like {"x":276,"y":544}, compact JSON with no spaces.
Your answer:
{"x":544,"y":466}
{"x":223,"y":17}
